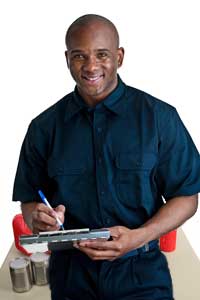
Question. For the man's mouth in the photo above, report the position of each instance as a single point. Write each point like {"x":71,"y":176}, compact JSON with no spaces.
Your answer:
{"x":92,"y":79}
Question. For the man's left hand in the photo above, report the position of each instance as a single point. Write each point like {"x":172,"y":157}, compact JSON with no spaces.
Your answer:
{"x":123,"y":241}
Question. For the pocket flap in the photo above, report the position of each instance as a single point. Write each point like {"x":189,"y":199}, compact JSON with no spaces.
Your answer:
{"x":134,"y":161}
{"x":65,"y":168}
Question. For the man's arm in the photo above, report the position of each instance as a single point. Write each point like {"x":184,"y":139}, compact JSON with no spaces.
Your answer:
{"x":170,"y":216}
{"x":39,"y":217}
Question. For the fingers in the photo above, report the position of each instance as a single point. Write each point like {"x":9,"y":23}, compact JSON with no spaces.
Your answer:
{"x":43,"y":218}
{"x":39,"y":226}
{"x":95,"y":254}
{"x":60,"y":208}
{"x":100,"y":250}
{"x":59,"y":211}
{"x":99,"y":244}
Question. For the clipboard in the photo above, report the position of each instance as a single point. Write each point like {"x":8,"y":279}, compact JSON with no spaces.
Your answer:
{"x":60,"y":240}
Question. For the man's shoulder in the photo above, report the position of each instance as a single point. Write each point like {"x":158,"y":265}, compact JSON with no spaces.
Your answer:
{"x":145,"y":100}
{"x":55,"y":111}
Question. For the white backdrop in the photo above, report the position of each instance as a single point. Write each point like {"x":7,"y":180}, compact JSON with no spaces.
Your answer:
{"x":162,"y":44}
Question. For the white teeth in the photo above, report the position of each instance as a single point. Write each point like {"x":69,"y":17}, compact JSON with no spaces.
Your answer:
{"x":93,"y":78}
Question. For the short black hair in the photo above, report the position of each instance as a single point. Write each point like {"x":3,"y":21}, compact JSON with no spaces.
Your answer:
{"x":88,"y":19}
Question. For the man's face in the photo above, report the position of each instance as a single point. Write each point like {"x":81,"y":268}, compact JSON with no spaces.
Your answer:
{"x":93,"y":59}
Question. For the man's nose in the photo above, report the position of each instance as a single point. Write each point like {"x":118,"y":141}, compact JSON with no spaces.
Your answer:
{"x":91,"y":64}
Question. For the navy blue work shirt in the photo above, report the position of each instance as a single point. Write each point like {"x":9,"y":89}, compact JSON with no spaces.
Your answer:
{"x":111,"y":164}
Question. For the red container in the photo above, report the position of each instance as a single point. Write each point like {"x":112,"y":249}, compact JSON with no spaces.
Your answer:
{"x":168,"y":241}
{"x":20,"y":228}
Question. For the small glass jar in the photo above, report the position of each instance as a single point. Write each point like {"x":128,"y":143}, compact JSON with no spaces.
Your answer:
{"x":40,"y":268}
{"x":20,"y":272}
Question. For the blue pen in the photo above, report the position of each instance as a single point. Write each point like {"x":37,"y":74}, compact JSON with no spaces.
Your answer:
{"x":45,"y":201}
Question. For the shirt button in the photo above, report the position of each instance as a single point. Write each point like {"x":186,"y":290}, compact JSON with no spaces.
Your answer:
{"x":99,"y":129}
{"x":102,"y":193}
{"x":108,"y":221}
{"x":100,"y":160}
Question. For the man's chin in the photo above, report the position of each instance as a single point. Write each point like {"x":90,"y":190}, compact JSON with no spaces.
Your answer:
{"x":91,"y":92}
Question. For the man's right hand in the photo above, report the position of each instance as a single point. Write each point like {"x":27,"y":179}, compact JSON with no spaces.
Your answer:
{"x":39,"y":217}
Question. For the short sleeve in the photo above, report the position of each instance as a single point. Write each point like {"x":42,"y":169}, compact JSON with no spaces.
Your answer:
{"x":31,"y":172}
{"x":178,"y":169}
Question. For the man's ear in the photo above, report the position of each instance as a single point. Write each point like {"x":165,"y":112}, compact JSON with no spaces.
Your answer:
{"x":120,"y":56}
{"x":67,"y":59}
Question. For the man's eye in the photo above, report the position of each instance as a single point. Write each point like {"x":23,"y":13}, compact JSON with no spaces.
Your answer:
{"x":102,"y":55}
{"x":78,"y":57}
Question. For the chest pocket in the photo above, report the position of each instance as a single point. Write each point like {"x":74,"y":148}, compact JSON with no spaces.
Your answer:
{"x":67,"y":178}
{"x":65,"y":167}
{"x":133,"y":176}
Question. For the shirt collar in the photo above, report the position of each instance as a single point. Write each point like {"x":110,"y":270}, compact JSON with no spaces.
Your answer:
{"x":113,"y":102}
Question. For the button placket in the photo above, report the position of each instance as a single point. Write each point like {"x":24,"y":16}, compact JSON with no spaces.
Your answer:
{"x":99,"y":120}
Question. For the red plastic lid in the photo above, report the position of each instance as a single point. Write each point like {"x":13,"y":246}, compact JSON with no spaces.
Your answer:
{"x":20,"y":228}
{"x":168,"y":241}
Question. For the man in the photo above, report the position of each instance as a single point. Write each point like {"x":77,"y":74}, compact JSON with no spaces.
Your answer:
{"x":105,"y":155}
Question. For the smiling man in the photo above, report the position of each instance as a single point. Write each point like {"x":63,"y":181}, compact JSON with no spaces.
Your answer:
{"x":106,"y":155}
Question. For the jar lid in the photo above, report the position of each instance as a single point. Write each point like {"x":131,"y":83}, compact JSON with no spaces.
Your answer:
{"x":19,"y":263}
{"x":39,"y":257}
